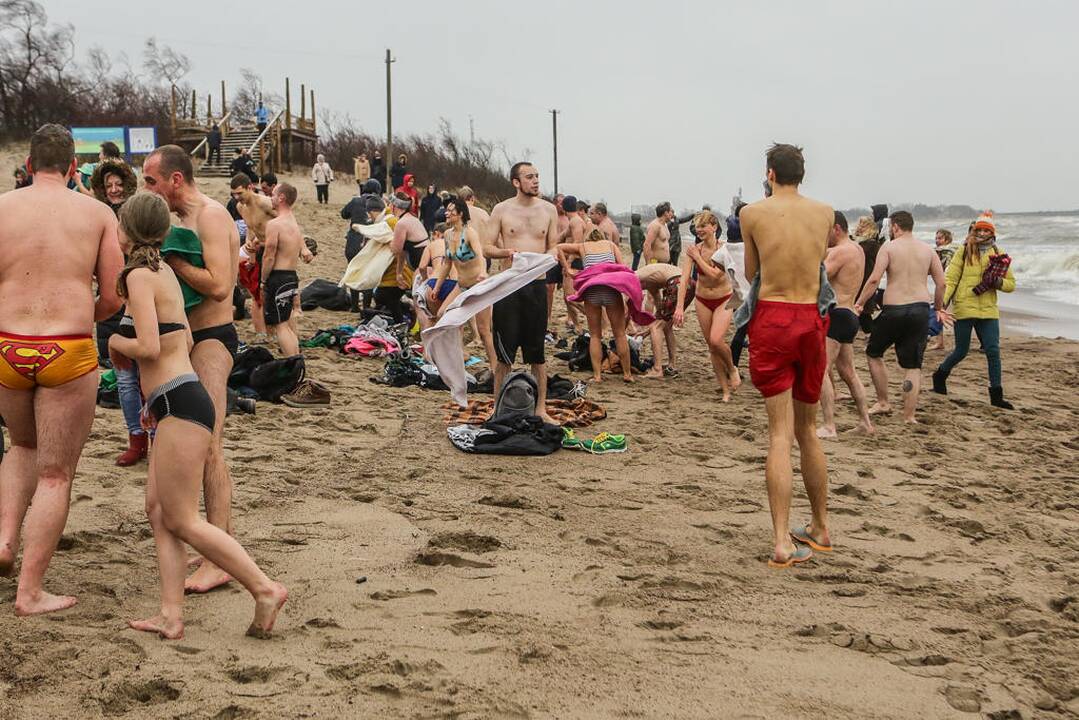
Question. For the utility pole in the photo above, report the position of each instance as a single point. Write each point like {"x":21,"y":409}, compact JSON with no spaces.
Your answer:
{"x":471,"y":130}
{"x":389,"y":124}
{"x":554,"y":127}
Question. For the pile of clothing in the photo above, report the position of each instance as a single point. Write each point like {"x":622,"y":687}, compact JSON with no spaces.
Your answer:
{"x":515,"y":429}
{"x":374,"y":338}
{"x":578,"y":359}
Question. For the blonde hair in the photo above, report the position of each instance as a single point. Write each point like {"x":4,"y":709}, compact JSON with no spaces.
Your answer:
{"x":705,"y":217}
{"x":145,"y":220}
{"x":866,"y":228}
{"x":596,"y":236}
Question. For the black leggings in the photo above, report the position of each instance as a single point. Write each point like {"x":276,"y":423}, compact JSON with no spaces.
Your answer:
{"x":738,"y":343}
{"x":322,"y":193}
{"x":390,"y":298}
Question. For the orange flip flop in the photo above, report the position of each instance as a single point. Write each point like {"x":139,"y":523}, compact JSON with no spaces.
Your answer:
{"x":802,"y":535}
{"x":801,"y":554}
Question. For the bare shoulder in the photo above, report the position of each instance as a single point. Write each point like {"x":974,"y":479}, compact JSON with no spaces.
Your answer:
{"x":213,"y":214}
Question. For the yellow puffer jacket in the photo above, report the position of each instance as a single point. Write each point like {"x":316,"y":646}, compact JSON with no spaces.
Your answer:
{"x":963,"y":277}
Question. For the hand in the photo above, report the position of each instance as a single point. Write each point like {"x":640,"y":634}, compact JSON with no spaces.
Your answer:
{"x":511,"y":255}
{"x":679,"y":318}
{"x":175,"y":262}
{"x":147,"y":420}
{"x":119,"y":360}
{"x":945,"y":318}
{"x":306,"y":255}
{"x":432,"y":299}
{"x":857,"y":308}
{"x":401,"y":282}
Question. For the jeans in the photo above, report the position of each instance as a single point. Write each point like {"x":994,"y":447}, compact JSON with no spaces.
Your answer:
{"x":636,"y":260}
{"x":988,"y":331}
{"x":213,"y":150}
{"x":127,"y":387}
{"x":322,"y":193}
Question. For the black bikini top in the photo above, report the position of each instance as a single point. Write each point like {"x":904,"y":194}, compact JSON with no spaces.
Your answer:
{"x":127,"y":327}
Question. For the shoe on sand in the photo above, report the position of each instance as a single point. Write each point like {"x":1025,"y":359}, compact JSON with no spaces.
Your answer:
{"x":802,"y":535}
{"x":604,"y":443}
{"x":801,"y":554}
{"x":307,"y":394}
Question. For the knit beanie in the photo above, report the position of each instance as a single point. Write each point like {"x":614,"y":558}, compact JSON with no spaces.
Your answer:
{"x":985,"y":222}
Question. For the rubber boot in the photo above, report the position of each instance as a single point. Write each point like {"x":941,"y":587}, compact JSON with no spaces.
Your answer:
{"x":940,"y":381}
{"x":136,"y":450}
{"x":996,"y":398}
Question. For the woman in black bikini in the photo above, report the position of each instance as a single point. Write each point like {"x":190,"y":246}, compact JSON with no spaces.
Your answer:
{"x":713,"y":292}
{"x":155,"y":333}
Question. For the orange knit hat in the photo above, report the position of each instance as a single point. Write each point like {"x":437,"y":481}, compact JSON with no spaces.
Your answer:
{"x":985,"y":222}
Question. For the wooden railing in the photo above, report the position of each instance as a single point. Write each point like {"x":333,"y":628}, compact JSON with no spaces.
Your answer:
{"x":222,"y":124}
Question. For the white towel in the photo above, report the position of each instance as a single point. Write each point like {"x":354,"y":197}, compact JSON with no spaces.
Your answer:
{"x":443,"y":341}
{"x":365,"y":270}
{"x":732,"y":258}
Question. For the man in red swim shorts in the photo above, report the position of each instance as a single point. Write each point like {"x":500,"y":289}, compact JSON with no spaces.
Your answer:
{"x":786,"y":239}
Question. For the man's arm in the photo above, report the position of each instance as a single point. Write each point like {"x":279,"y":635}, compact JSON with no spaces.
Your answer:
{"x":936,"y":270}
{"x":873,"y":282}
{"x":552,"y":231}
{"x":216,"y":280}
{"x":110,"y":261}
{"x":832,"y":264}
{"x":492,"y":236}
{"x":269,"y":252}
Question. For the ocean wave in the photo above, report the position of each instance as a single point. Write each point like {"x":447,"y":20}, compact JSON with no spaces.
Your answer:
{"x":1059,"y":266}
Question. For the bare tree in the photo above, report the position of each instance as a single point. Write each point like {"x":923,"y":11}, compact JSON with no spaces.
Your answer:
{"x":163,"y":63}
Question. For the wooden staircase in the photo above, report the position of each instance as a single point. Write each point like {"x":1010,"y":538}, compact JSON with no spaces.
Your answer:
{"x":242,"y":138}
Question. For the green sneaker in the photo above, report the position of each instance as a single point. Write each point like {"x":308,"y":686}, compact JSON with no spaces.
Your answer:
{"x":570,"y":441}
{"x":604,"y":443}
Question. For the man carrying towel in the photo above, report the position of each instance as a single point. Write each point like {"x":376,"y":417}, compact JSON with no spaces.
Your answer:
{"x":523,"y":223}
{"x":169,"y":173}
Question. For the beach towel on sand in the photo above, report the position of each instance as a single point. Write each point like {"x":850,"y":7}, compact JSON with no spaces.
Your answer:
{"x":185,"y":243}
{"x":443,"y":341}
{"x":365,"y":270}
{"x":568,"y":413}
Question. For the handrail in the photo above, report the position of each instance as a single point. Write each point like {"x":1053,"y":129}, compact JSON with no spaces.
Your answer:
{"x":276,"y":119}
{"x":220,"y":123}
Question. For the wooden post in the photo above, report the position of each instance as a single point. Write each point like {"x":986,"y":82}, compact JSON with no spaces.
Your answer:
{"x":194,"y":101}
{"x":277,"y":147}
{"x":209,"y":109}
{"x":224,"y":106}
{"x":173,"y":113}
{"x":312,"y":112}
{"x":262,"y":155}
{"x":288,"y":125}
{"x":303,"y":104}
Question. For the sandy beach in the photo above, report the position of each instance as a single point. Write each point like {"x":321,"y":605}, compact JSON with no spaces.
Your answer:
{"x":427,"y":583}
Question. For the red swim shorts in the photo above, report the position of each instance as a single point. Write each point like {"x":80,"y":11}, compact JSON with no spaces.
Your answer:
{"x":787,"y":350}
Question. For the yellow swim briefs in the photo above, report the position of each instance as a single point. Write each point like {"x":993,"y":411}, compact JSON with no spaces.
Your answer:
{"x":27,"y":361}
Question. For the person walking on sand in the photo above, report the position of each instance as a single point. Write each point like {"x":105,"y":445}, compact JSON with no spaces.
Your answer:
{"x":786,"y":238}
{"x":713,"y":292}
{"x":522,"y":223}
{"x":155,"y":332}
{"x":48,"y":383}
{"x":322,"y":176}
{"x":636,"y":239}
{"x":945,"y":250}
{"x":974,"y":278}
{"x":907,"y":263}
{"x":167,"y":172}
{"x":281,"y":256}
{"x":844,"y":265}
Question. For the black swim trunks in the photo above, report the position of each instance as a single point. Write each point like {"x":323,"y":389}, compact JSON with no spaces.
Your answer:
{"x":224,"y":334}
{"x":520,"y":321}
{"x":554,"y":275}
{"x":906,"y":327}
{"x":277,"y":293}
{"x":185,"y":398}
{"x":844,"y":325}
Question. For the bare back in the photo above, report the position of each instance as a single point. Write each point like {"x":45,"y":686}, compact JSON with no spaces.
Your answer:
{"x":908,"y":265}
{"x":845,"y":264}
{"x":289,"y":241}
{"x":524,"y":225}
{"x":53,"y":243}
{"x":786,"y":237}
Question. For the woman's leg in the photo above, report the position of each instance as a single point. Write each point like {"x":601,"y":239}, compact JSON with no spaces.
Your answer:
{"x":721,"y":320}
{"x":616,"y":314}
{"x":594,"y":315}
{"x":483,"y":329}
{"x":181,"y":446}
{"x":704,"y":318}
{"x":962,"y":346}
{"x":989,"y":334}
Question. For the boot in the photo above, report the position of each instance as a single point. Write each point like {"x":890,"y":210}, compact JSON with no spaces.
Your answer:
{"x":136,"y":450}
{"x":940,"y":381}
{"x":996,"y":398}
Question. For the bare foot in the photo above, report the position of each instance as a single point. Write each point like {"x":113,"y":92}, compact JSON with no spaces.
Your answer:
{"x":206,"y":578}
{"x":735,"y":380}
{"x":266,"y":609}
{"x":167,"y":629}
{"x":726,"y":395}
{"x":628,"y":378}
{"x":911,"y":421}
{"x":654,"y":373}
{"x":43,"y":603}
{"x":548,"y":419}
{"x":597,"y":378}
{"x":880,"y":408}
{"x":7,"y":561}
{"x":865,"y":427}
{"x":826,"y":432}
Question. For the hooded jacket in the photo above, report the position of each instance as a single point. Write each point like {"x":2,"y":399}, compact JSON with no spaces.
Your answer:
{"x":355,"y":211}
{"x":322,"y":173}
{"x":378,"y":170}
{"x":410,"y":191}
{"x":636,"y":234}
{"x":962,"y":277}
{"x":398,"y":174}
{"x":429,"y":207}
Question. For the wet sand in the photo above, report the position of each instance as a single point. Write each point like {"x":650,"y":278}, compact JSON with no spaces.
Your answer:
{"x":578,"y":586}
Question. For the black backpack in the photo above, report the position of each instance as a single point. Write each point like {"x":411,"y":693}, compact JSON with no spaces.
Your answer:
{"x":275,"y":378}
{"x":517,"y":396}
{"x":324,"y":294}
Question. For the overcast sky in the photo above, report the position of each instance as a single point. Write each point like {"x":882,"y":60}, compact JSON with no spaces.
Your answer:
{"x":935,"y":102}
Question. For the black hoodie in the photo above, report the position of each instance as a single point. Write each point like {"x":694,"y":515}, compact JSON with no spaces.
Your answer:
{"x":429,"y":207}
{"x":356,"y":214}
{"x":378,"y":170}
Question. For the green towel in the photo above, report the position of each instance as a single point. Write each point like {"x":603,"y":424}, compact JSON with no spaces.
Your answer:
{"x":187,"y":245}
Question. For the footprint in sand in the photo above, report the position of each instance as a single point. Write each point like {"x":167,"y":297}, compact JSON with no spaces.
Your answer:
{"x":253,"y":674}
{"x":398,"y":594}
{"x":466,"y":540}
{"x":127,"y":696}
{"x":435,"y":558}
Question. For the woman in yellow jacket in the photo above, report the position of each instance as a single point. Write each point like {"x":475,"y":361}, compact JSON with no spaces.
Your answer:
{"x":975,"y":306}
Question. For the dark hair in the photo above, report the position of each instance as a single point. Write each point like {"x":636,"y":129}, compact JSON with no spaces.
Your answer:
{"x":110,"y":150}
{"x":787,"y":163}
{"x":462,"y":208}
{"x":269,"y":178}
{"x":841,"y":221}
{"x":175,"y":159}
{"x":662,"y":209}
{"x":51,"y":149}
{"x":237,"y":151}
{"x":902,"y":220}
{"x":581,"y":205}
{"x":738,"y":208}
{"x":441,"y":228}
{"x":601,"y":208}
{"x":239,"y":180}
{"x":515,"y":171}
{"x":288,"y":192}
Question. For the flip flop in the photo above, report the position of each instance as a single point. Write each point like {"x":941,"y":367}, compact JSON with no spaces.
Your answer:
{"x":801,"y":554}
{"x":802,"y":535}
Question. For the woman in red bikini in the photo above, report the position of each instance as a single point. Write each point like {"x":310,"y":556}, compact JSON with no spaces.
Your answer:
{"x":713,"y":292}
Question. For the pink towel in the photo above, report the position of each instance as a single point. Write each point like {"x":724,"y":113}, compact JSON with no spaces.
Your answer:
{"x":619,"y":278}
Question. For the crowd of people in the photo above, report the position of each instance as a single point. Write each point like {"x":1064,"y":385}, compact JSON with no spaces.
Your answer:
{"x":165,"y":294}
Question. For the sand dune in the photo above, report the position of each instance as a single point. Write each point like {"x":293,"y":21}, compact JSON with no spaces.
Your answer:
{"x":579,"y":586}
